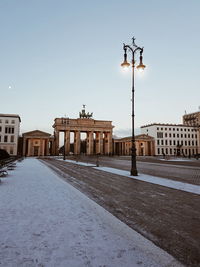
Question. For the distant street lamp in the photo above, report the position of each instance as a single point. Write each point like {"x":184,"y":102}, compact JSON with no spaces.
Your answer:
{"x":133,"y":49}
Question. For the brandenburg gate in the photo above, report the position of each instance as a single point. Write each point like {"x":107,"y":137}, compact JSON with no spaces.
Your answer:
{"x":98,"y":134}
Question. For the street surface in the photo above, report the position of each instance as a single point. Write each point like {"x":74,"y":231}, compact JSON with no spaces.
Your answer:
{"x":184,"y":171}
{"x":168,"y":217}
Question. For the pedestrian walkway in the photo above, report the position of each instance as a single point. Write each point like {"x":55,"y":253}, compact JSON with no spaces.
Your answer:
{"x":44,"y":221}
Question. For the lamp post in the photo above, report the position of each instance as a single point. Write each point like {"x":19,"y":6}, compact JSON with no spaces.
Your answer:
{"x":133,"y":49}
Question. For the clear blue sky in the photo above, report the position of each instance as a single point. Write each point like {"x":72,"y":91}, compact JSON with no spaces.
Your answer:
{"x":57,"y":55}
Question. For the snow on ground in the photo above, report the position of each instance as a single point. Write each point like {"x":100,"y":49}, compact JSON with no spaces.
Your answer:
{"x":155,"y":180}
{"x":46,"y":222}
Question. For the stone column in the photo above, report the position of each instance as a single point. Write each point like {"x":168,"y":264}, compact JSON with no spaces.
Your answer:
{"x":77,"y":147}
{"x":47,"y":147}
{"x":90,"y":143}
{"x":56,"y":143}
{"x":29,"y":148}
{"x":43,"y":147}
{"x":67,"y":142}
{"x":24,"y":146}
{"x":101,"y":143}
{"x":106,"y":143}
{"x":98,"y":150}
{"x":110,"y":143}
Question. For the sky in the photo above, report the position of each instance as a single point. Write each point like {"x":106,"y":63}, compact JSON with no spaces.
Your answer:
{"x":57,"y":55}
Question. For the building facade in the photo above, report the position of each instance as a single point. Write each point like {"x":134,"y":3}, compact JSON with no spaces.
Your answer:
{"x":37,"y":143}
{"x":174,"y":139}
{"x":144,"y":145}
{"x":9,"y":133}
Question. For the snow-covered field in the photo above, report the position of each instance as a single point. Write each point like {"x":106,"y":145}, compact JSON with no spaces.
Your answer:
{"x":44,"y":221}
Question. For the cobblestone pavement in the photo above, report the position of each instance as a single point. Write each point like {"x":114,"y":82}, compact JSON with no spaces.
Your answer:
{"x":169,"y":218}
{"x":183,"y":171}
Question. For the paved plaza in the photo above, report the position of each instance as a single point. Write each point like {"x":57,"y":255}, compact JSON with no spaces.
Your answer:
{"x":44,"y":221}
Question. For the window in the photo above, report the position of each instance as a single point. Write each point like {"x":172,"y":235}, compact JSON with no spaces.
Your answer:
{"x":173,"y":129}
{"x":12,"y":138}
{"x":174,"y":135}
{"x":159,"y":135}
{"x":5,"y":139}
{"x":161,"y":129}
{"x":188,"y":135}
{"x":0,"y":128}
{"x":6,"y":121}
{"x":170,"y":129}
{"x":13,"y":121}
{"x":0,"y":138}
{"x":192,"y":142}
{"x":181,"y":135}
{"x":9,"y":130}
{"x":177,"y":129}
{"x":0,"y":121}
{"x":165,"y":129}
{"x":188,"y":130}
{"x":165,"y":134}
{"x":188,"y":143}
{"x":158,"y":150}
{"x":170,"y":151}
{"x":178,"y":135}
{"x":181,"y":129}
{"x":185,"y":135}
{"x":158,"y":128}
{"x":166,"y":142}
{"x":158,"y":142}
{"x":174,"y":142}
{"x":162,"y":142}
{"x":170,"y":135}
{"x":166,"y":151}
{"x":185,"y":143}
{"x":185,"y":130}
{"x":170,"y":142}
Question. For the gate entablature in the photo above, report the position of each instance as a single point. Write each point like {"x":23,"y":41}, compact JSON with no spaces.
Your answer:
{"x":102,"y":130}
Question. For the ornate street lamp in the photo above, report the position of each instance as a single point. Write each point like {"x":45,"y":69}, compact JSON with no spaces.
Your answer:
{"x":133,"y":49}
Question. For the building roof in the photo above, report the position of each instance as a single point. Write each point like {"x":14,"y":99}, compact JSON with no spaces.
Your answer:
{"x":11,"y":116}
{"x":37,"y":133}
{"x":167,"y":124}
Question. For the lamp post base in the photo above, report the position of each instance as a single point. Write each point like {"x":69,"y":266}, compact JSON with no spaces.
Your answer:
{"x":134,"y":172}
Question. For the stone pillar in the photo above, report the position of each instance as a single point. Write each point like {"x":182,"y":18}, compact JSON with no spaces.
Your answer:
{"x":67,"y":142}
{"x":29,"y":148}
{"x":43,"y":147}
{"x":106,"y":143}
{"x":56,"y":143}
{"x":101,"y":143}
{"x":77,"y":144}
{"x":110,"y":143}
{"x":47,"y":148}
{"x":98,"y":150}
{"x":90,"y":143}
{"x":24,"y":146}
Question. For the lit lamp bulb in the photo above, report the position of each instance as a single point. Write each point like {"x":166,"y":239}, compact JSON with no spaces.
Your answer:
{"x":125,"y":65}
{"x":141,"y":66}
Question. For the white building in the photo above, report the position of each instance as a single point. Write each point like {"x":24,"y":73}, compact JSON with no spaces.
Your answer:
{"x":173,"y":139}
{"x":9,"y":132}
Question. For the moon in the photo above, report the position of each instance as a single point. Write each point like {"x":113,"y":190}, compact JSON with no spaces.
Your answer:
{"x":9,"y":87}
